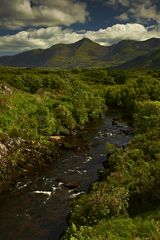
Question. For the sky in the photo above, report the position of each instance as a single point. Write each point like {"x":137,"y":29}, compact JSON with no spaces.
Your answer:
{"x":31,"y":24}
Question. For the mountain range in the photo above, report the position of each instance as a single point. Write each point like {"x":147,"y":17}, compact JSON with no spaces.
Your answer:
{"x":86,"y":53}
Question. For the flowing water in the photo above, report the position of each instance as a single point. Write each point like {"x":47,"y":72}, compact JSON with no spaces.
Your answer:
{"x":36,"y":208}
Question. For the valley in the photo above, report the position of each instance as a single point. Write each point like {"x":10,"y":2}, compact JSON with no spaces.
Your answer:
{"x":39,"y":105}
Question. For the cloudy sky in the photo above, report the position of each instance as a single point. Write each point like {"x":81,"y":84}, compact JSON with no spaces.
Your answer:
{"x":29,"y":24}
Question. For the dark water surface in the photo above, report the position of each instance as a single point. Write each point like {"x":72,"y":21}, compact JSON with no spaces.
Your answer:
{"x":36,"y":208}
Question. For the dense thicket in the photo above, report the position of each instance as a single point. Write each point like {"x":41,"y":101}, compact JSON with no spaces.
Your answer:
{"x":45,"y":103}
{"x":35,"y":105}
{"x":125,"y":204}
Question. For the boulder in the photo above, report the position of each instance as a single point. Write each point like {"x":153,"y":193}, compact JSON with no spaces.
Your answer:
{"x":3,"y":150}
{"x":115,"y":121}
{"x":56,"y":138}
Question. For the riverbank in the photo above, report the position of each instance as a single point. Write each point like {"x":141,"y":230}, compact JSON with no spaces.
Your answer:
{"x":125,"y":203}
{"x":39,"y":204}
{"x":21,"y":158}
{"x":40,"y":104}
{"x":36,"y":106}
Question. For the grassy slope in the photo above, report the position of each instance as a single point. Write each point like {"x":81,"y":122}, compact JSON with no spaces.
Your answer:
{"x":149,"y":61}
{"x":83,"y":53}
{"x":34,"y":105}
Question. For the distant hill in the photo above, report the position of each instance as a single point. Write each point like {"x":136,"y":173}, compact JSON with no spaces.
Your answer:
{"x":82,"y":53}
{"x":127,"y":50}
{"x":85,"y":53}
{"x":149,"y":61}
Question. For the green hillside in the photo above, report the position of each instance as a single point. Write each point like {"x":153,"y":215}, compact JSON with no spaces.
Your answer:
{"x":149,"y":61}
{"x":84,"y":53}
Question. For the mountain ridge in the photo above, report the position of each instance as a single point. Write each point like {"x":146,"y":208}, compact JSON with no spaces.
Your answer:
{"x":150,"y":61}
{"x":84,"y":53}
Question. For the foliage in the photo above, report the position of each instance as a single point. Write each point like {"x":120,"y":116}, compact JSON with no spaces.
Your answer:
{"x":125,"y":204}
{"x":45,"y":104}
{"x":118,"y":229}
{"x":36,"y":104}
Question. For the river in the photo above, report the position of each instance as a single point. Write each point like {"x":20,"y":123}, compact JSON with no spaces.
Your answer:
{"x":36,"y":208}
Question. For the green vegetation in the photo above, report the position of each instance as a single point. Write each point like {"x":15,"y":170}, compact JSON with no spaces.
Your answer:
{"x":37,"y":104}
{"x":125,"y":204}
{"x":41,"y":103}
{"x":149,"y":61}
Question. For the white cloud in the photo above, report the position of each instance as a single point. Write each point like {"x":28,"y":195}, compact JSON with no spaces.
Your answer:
{"x":118,"y":32}
{"x":124,"y":3}
{"x":145,"y":10}
{"x":32,"y":39}
{"x":123,"y":17}
{"x":46,"y":37}
{"x":15,"y":14}
{"x":140,"y":10}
